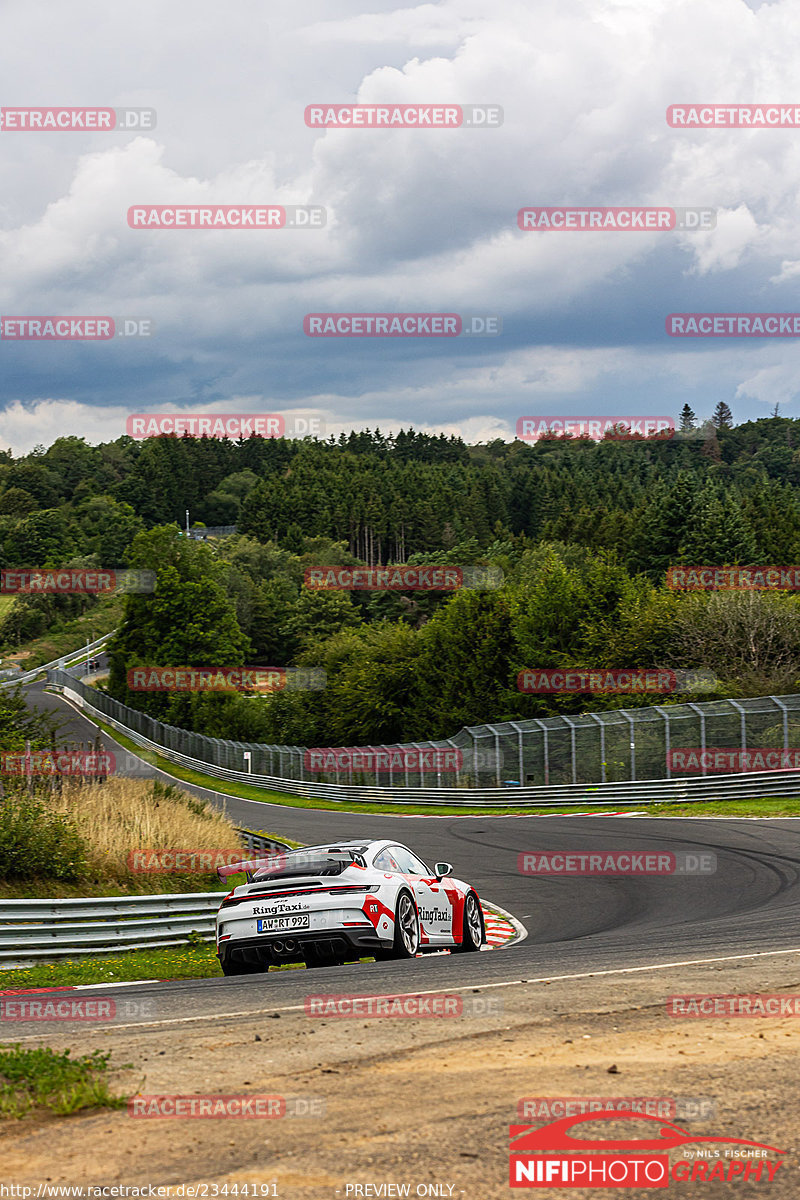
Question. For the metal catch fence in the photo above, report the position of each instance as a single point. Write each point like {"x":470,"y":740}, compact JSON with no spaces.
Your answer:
{"x":614,"y":747}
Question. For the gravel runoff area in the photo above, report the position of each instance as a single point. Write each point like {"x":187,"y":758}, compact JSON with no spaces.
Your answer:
{"x":426,"y":1103}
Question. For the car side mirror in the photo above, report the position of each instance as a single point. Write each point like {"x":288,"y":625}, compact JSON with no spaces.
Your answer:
{"x":441,"y":869}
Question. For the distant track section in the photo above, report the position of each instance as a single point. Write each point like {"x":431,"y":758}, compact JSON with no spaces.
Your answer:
{"x":744,"y":786}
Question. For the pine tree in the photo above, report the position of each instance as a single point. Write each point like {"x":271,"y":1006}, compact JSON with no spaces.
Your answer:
{"x":719,"y":533}
{"x":688,"y":420}
{"x":723,"y":417}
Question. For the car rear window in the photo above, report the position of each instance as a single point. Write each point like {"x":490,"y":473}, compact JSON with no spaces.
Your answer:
{"x":304,"y":862}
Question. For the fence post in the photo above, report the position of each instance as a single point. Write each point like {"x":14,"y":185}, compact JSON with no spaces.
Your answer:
{"x":572,"y":748}
{"x":417,"y":746}
{"x":667,"y":744}
{"x":595,"y":717}
{"x":456,"y":751}
{"x":474,"y":737}
{"x":629,"y":719}
{"x":498,"y":768}
{"x":514,"y":725}
{"x":702,"y":717}
{"x":785,"y":712}
{"x":545,"y":749}
{"x":742,"y":724}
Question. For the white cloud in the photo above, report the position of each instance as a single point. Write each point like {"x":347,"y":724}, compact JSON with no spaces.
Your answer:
{"x":420,"y":220}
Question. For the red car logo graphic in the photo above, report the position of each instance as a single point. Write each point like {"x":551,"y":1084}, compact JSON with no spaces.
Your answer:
{"x":526,"y":1138}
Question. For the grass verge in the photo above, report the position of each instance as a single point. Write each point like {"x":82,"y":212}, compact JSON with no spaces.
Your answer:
{"x":42,"y":1078}
{"x":771,"y":806}
{"x":196,"y":961}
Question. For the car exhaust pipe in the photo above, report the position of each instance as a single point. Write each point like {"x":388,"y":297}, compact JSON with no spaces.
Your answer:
{"x":290,"y":946}
{"x":277,"y":947}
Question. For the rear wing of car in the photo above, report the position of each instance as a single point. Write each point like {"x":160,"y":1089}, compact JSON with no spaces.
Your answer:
{"x":250,"y":865}
{"x":296,"y":862}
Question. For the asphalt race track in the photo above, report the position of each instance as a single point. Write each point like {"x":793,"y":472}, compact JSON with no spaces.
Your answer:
{"x":576,"y":926}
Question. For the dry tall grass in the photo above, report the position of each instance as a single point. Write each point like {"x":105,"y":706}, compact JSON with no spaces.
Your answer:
{"x":123,"y":815}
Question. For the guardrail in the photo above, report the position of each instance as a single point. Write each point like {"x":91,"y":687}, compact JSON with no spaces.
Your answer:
{"x":253,"y":840}
{"x":61,"y":662}
{"x":33,"y":930}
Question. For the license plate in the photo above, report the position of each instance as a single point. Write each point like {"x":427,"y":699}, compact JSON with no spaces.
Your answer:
{"x":272,"y":924}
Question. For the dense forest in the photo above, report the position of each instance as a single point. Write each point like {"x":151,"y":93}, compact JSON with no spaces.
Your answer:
{"x":582,"y":533}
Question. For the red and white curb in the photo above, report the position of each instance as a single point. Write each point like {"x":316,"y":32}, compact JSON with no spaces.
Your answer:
{"x":622,"y":813}
{"x":77,"y":987}
{"x":502,"y":929}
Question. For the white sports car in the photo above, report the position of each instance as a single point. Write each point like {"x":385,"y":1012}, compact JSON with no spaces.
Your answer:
{"x":343,"y":901}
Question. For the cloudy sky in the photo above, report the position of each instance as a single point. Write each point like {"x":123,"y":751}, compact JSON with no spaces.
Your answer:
{"x":418,"y":220}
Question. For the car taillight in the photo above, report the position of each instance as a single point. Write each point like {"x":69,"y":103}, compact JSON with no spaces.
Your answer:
{"x":229,"y":899}
{"x":354,"y":887}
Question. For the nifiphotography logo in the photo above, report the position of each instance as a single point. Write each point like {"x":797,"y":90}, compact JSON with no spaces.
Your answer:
{"x":642,"y":1162}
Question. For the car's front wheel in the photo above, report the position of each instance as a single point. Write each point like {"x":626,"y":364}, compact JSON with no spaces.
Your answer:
{"x":406,"y":928}
{"x":472,"y":931}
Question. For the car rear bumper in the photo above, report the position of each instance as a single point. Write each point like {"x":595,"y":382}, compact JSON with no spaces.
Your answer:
{"x":348,"y":944}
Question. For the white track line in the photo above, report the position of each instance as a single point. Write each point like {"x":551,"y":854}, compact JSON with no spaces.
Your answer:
{"x":484,"y":987}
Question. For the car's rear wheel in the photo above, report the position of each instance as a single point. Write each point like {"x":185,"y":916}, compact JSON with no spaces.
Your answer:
{"x":472,"y":931}
{"x":406,"y":928}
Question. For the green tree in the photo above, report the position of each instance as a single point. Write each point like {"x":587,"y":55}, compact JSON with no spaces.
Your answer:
{"x":723,"y":417}
{"x":317,"y":615}
{"x":189,"y":621}
{"x":108,"y":528}
{"x":40,"y":540}
{"x":16,"y":502}
{"x":718,"y":533}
